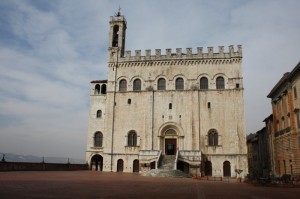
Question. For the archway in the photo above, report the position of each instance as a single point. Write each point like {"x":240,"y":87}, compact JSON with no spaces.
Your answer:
{"x":96,"y":163}
{"x":226,"y":169}
{"x":208,"y":168}
{"x":170,"y":141}
{"x":120,"y":165}
{"x":103,"y":89}
{"x":136,"y":166}
{"x":171,"y":138}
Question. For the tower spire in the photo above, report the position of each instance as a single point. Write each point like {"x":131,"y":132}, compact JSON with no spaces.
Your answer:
{"x":119,"y":12}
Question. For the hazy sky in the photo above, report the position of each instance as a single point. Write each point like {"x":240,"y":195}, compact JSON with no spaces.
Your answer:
{"x":50,"y":50}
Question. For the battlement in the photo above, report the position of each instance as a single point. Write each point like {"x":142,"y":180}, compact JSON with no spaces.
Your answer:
{"x":210,"y":54}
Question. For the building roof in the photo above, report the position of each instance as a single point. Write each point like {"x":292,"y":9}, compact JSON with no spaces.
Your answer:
{"x":99,"y":81}
{"x":287,"y":77}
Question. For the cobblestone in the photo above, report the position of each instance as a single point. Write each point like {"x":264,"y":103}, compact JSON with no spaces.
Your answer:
{"x":101,"y":185}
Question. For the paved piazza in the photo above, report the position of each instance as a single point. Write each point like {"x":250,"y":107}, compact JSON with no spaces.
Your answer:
{"x":100,"y":185}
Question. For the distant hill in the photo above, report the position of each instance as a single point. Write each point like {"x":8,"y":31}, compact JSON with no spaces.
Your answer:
{"x":10,"y":157}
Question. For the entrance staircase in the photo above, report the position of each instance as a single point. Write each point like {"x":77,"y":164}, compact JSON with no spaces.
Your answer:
{"x":167,"y":169}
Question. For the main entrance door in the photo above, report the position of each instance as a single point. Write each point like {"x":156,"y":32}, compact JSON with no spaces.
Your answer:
{"x":170,"y":146}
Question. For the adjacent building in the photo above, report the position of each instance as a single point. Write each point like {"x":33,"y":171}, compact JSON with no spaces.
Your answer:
{"x":187,"y":105}
{"x":284,"y":126}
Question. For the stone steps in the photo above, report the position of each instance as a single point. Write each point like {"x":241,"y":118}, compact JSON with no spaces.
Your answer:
{"x":166,"y":169}
{"x":166,"y":173}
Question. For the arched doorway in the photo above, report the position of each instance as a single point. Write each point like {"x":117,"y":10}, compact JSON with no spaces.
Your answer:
{"x":208,"y":168}
{"x":120,"y":165}
{"x":96,"y":163}
{"x":171,"y":138}
{"x":136,"y":166}
{"x":170,"y":142}
{"x":170,"y":146}
{"x":226,"y":169}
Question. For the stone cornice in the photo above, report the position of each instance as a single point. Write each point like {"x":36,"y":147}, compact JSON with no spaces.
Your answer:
{"x":175,"y":62}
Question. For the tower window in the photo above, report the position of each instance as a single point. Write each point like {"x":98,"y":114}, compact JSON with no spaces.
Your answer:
{"x":170,"y":106}
{"x":132,"y":139}
{"x":237,"y":85}
{"x":179,"y":84}
{"x":97,"y":89}
{"x":99,"y":114}
{"x":212,"y":138}
{"x":98,"y":139}
{"x":137,"y":84}
{"x":220,"y":83}
{"x":123,"y":85}
{"x":203,"y":83}
{"x":208,"y":105}
{"x":103,"y":89}
{"x":129,"y":101}
{"x":161,"y":84}
{"x":115,"y":36}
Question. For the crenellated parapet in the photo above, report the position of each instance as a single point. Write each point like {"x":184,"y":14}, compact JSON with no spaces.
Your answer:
{"x":179,"y":55}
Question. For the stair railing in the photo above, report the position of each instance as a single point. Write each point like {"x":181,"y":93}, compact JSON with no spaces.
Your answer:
{"x":157,"y":162}
{"x":176,"y":159}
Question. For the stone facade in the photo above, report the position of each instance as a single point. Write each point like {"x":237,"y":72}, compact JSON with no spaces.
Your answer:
{"x":179,"y":103}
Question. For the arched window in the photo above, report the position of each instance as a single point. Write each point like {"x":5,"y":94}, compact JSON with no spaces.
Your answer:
{"x":212,"y":138}
{"x":161,"y":84}
{"x":137,"y":84}
{"x":203,"y":83}
{"x":220,"y":83}
{"x":97,"y":89}
{"x":99,"y":114}
{"x":115,"y":36}
{"x":123,"y":85}
{"x":132,"y":138}
{"x":179,"y":84}
{"x":98,"y":139}
{"x":103,"y":89}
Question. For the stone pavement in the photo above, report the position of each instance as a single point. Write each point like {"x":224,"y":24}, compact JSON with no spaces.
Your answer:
{"x":100,"y":185}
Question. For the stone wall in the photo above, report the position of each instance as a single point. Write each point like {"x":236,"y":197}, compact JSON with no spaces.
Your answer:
{"x":30,"y":166}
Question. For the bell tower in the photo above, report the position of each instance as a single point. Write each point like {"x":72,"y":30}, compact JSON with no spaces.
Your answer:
{"x":117,"y":32}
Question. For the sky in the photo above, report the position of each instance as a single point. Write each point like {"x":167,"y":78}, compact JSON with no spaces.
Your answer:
{"x":50,"y":50}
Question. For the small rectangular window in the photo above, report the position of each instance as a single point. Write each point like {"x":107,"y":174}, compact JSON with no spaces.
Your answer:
{"x":237,"y":85}
{"x":170,"y":106}
{"x":295,"y":92}
{"x":208,"y":105}
{"x":298,"y":119}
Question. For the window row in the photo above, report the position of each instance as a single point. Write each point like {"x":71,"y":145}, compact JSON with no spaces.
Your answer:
{"x":131,"y":140}
{"x":213,"y":138}
{"x":179,"y":84}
